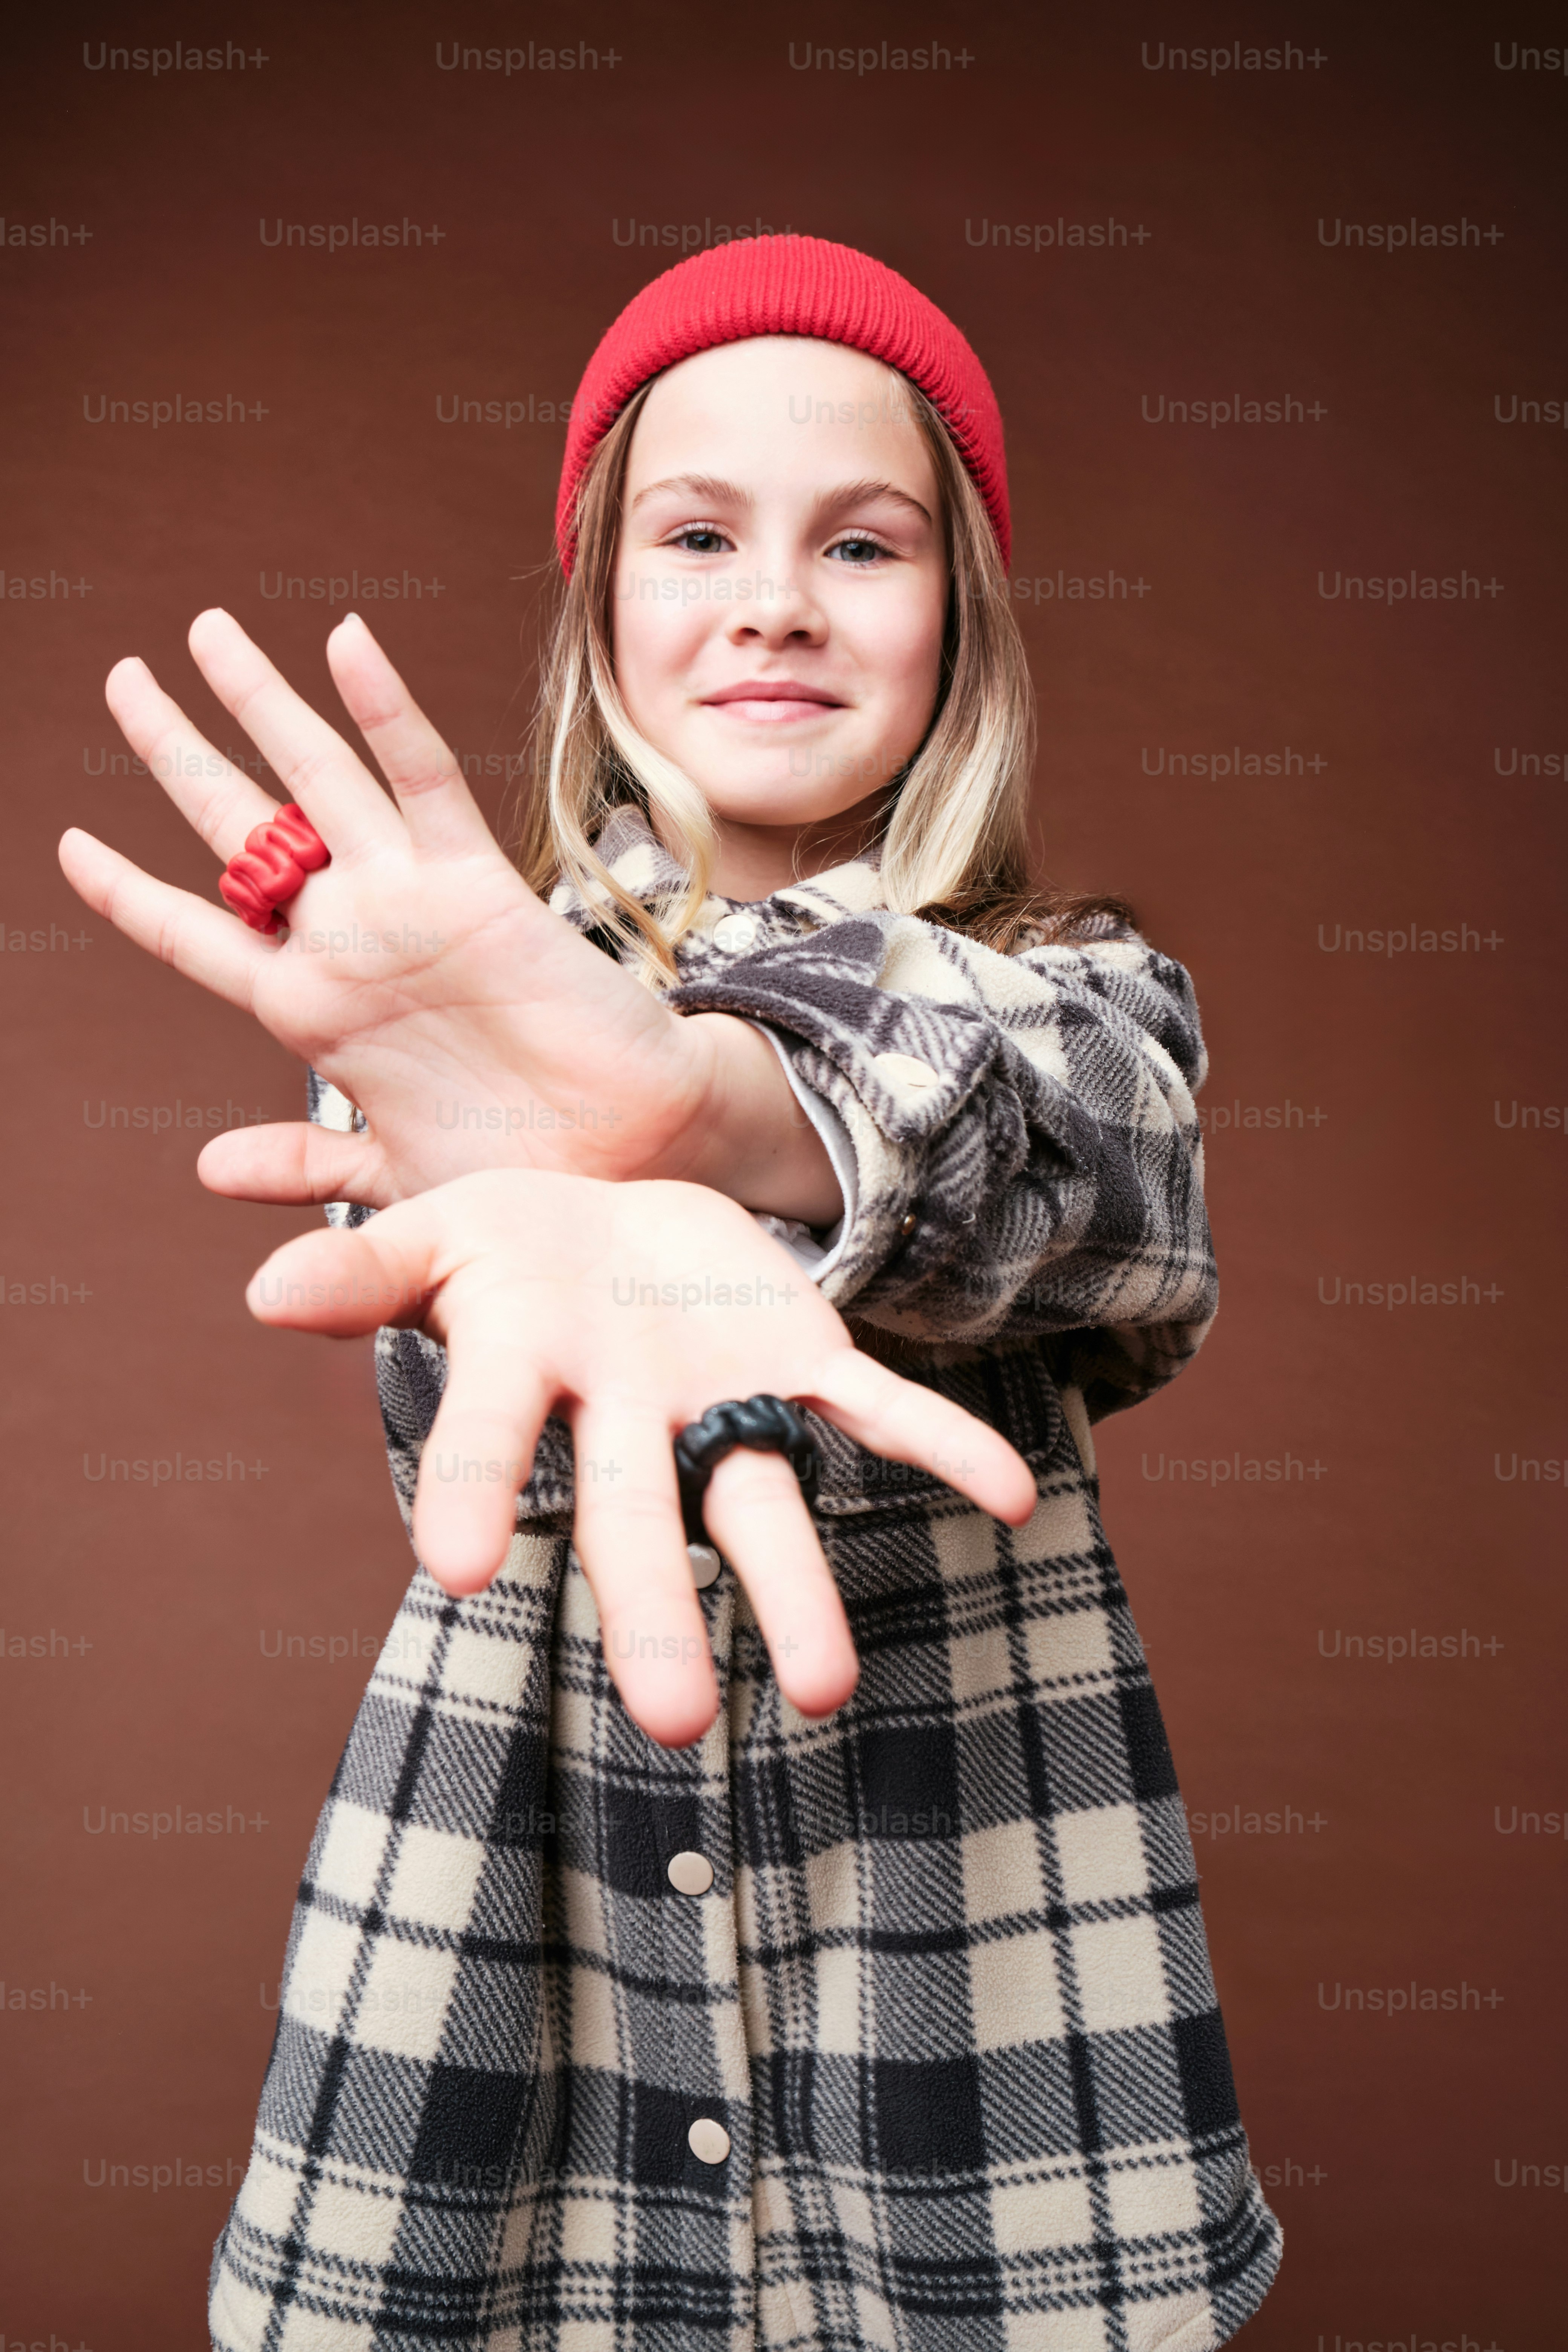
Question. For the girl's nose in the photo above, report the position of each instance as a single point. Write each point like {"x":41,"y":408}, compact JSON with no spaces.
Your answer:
{"x":781,"y":612}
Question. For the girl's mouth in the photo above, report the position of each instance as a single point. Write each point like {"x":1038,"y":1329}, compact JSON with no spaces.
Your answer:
{"x":773,"y":701}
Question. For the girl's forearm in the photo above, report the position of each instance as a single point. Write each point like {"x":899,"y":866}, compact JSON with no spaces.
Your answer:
{"x":753,"y":1141}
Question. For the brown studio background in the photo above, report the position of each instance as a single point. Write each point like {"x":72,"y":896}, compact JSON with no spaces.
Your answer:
{"x":1385,"y":2139}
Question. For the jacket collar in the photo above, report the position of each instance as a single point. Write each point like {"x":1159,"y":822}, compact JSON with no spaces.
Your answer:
{"x":646,"y":870}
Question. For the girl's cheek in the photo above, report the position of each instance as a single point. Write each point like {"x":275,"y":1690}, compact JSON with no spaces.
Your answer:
{"x":658,"y":630}
{"x":901,"y":648}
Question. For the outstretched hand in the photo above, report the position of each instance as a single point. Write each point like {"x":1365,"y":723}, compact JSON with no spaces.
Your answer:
{"x":630,"y":1309}
{"x":419,"y":973}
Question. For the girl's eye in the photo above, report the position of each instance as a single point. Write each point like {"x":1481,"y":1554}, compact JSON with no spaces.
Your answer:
{"x":701,"y":538}
{"x":857,"y":552}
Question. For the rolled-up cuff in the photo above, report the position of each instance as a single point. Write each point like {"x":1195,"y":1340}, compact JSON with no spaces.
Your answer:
{"x":815,"y":1250}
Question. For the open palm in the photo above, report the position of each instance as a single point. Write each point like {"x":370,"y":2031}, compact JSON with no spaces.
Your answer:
{"x":630,"y":1308}
{"x":419,"y":973}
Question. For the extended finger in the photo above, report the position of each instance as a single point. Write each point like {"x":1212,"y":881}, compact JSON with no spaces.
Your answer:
{"x":481,"y":1450}
{"x":755,"y":1512}
{"x":441,"y":813}
{"x":903,"y":1422}
{"x":293,"y":1162}
{"x":311,"y":760}
{"x":632,"y":1544}
{"x":481,"y":1446}
{"x":201,"y":941}
{"x":219,"y":801}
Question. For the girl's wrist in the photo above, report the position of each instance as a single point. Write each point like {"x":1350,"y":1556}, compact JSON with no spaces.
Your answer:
{"x":751,"y":1140}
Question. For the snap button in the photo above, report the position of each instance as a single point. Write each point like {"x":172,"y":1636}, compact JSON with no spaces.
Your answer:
{"x":734,"y":933}
{"x":709,"y":2141}
{"x":690,"y":1873}
{"x":705,"y":1565}
{"x":903,"y":1069}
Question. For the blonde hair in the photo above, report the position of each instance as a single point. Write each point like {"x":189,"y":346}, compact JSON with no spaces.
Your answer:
{"x":952,"y":843}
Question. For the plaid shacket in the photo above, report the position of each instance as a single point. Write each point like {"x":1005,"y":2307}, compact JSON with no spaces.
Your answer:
{"x":948,"y":1994}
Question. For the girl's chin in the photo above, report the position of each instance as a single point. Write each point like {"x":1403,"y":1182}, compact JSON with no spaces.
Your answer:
{"x":793,"y":794}
{"x":788,"y":803}
{"x":787,"y":767}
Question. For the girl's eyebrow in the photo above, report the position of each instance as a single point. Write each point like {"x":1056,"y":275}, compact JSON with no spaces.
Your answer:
{"x":705,"y":487}
{"x":708,"y":490}
{"x":854,"y":494}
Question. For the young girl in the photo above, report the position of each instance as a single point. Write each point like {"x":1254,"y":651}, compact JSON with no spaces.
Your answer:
{"x":792,"y":1940}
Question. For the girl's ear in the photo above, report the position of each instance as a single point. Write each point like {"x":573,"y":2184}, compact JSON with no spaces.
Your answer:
{"x":958,"y":836}
{"x":583,"y":751}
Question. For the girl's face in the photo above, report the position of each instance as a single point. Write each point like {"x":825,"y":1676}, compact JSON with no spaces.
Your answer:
{"x":780,"y":584}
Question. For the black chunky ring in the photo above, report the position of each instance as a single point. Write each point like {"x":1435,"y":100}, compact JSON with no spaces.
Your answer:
{"x":767,"y":1425}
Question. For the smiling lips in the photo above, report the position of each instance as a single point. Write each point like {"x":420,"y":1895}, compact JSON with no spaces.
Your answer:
{"x":771,"y":701}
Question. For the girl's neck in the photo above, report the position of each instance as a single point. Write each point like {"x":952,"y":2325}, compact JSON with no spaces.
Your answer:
{"x":755,"y":860}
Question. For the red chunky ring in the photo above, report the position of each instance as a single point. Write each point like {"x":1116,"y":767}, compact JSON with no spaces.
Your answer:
{"x":271,"y":867}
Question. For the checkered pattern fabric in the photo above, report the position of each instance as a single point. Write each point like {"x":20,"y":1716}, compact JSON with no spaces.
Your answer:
{"x":947,"y":1996}
{"x":1033,"y":1112}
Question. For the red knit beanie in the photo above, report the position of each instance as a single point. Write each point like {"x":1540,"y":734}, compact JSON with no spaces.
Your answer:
{"x":789,"y":286}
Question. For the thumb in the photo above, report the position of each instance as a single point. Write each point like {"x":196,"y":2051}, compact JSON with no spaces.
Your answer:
{"x":346,"y":1282}
{"x":296,"y":1164}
